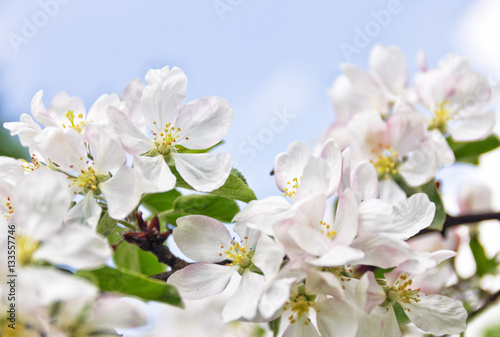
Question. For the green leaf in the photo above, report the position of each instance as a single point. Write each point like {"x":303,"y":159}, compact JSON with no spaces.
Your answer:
{"x":130,"y":257}
{"x":130,"y":283}
{"x":275,"y":326}
{"x":159,"y":202}
{"x":469,"y":152}
{"x":484,"y":265}
{"x":106,"y":225}
{"x":233,"y":188}
{"x":239,"y":175}
{"x":219,"y":208}
{"x":432,"y":192}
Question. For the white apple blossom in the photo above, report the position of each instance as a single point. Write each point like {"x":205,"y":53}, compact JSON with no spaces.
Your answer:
{"x":197,"y":125}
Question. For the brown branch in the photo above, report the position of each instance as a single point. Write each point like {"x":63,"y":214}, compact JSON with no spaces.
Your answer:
{"x":452,"y":221}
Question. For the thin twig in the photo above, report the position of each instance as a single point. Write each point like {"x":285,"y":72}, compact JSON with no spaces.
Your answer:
{"x":452,"y":221}
{"x":488,"y":303}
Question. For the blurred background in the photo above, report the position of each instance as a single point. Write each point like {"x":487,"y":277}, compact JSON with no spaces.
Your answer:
{"x":272,"y":60}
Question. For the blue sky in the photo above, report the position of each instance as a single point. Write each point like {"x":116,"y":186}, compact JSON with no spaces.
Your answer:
{"x":272,"y":60}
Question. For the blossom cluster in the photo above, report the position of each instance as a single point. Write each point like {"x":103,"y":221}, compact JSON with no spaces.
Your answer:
{"x":290,"y":267}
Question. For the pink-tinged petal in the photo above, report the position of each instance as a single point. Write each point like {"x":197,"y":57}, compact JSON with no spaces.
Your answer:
{"x":407,"y":130}
{"x":202,"y":238}
{"x":26,"y":129}
{"x":471,"y":93}
{"x":65,"y":147}
{"x":268,"y":256}
{"x":411,"y":216}
{"x":370,"y":135}
{"x":310,"y":240}
{"x":336,"y":318}
{"x":107,"y":151}
{"x":390,"y":325}
{"x":388,"y":65}
{"x":60,"y":105}
{"x":437,"y":314}
{"x":368,"y":93}
{"x":301,"y":329}
{"x":122,"y":192}
{"x":86,"y":212}
{"x":391,"y":192}
{"x":345,"y":181}
{"x":134,"y":140}
{"x":154,"y":174}
{"x":204,"y":122}
{"x":346,"y":219}
{"x":475,"y":127}
{"x":244,"y":303}
{"x":434,"y":86}
{"x":131,"y":95}
{"x":375,"y":216}
{"x":201,"y":280}
{"x":163,"y":96}
{"x":345,"y":99}
{"x":332,"y":155}
{"x":338,"y":256}
{"x":290,"y":165}
{"x":42,"y":199}
{"x":381,"y":251}
{"x":310,"y":211}
{"x":369,"y":292}
{"x":205,"y":172}
{"x":445,"y":155}
{"x":314,"y":179}
{"x":364,"y":182}
{"x":97,"y":114}
{"x":421,"y":165}
{"x":263,"y":214}
{"x":87,"y":250}
{"x":325,"y":283}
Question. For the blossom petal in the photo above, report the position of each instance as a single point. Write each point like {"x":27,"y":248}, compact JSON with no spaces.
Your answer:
{"x":338,"y":256}
{"x":331,"y":153}
{"x":301,"y":329}
{"x":154,"y":174}
{"x":244,"y":303}
{"x":42,"y":199}
{"x":205,"y":172}
{"x":437,"y":314}
{"x":382,"y":251}
{"x":346,"y":219}
{"x":476,"y":127}
{"x":201,"y":280}
{"x":86,"y":250}
{"x":336,"y":318}
{"x":268,"y":256}
{"x":134,"y":140}
{"x":122,"y":192}
{"x":107,"y":151}
{"x":26,"y":129}
{"x":290,"y":164}
{"x":202,"y":238}
{"x":163,"y":96}
{"x":388,"y":65}
{"x":412,"y":215}
{"x":315,"y":178}
{"x":204,"y":122}
{"x":86,"y":212}
{"x":64,"y":147}
{"x":364,"y":182}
